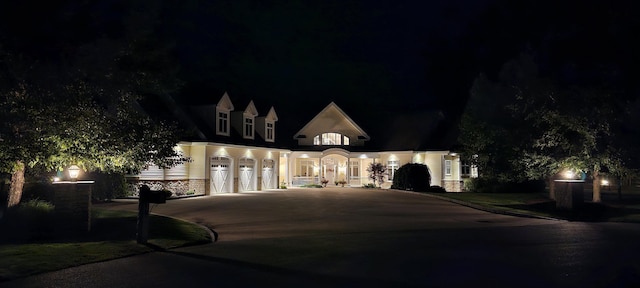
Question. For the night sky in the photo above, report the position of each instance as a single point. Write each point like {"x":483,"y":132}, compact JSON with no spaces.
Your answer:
{"x":375,"y":59}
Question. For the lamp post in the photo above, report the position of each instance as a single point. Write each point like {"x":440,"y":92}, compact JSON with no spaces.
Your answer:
{"x":74,"y":171}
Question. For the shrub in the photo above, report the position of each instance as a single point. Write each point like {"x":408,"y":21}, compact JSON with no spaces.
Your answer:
{"x":369,"y":185}
{"x":31,"y":220}
{"x":412,"y":176}
{"x":436,"y":189}
{"x":108,"y":186}
{"x":312,"y":185}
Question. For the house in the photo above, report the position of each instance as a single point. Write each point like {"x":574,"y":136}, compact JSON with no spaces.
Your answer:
{"x":235,"y":150}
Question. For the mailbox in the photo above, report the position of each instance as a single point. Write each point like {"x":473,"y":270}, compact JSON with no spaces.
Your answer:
{"x":152,"y":196}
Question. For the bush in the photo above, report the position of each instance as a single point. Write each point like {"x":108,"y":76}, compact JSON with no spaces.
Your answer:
{"x":436,"y":189}
{"x":369,"y":185}
{"x":488,"y":185}
{"x":108,"y":186}
{"x":412,"y":176}
{"x":31,"y":220}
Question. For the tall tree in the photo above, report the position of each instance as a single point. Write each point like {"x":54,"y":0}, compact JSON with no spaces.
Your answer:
{"x":75,"y":99}
{"x":525,"y":127}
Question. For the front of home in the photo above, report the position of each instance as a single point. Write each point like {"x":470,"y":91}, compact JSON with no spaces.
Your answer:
{"x":239,"y":153}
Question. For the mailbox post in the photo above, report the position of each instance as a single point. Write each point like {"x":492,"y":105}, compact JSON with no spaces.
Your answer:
{"x":146,"y":196}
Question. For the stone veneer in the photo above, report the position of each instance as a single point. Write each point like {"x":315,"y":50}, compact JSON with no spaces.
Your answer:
{"x":452,"y":185}
{"x":177,"y":187}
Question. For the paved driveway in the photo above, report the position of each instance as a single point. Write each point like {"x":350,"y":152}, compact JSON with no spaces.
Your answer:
{"x":352,"y":237}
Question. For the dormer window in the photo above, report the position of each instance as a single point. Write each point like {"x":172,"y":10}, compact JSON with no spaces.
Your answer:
{"x":222,"y":123}
{"x":269,"y":132}
{"x":331,"y":139}
{"x":248,"y":128}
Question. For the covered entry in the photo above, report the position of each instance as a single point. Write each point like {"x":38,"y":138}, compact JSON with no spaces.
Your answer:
{"x":246,"y":167}
{"x":220,"y":170}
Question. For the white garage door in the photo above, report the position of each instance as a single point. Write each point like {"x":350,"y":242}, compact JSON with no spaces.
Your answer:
{"x":268,"y":181}
{"x":245,"y":166}
{"x":220,"y":175}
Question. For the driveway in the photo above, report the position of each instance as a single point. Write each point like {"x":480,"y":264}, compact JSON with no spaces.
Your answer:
{"x":353,"y":237}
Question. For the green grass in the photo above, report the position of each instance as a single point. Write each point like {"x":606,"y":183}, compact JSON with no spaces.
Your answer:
{"x":538,"y":204}
{"x":112,"y":236}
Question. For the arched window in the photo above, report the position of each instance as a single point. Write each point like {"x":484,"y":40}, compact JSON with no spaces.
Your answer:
{"x":330,"y":139}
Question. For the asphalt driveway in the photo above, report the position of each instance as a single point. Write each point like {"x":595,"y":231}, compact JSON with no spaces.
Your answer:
{"x":352,"y":237}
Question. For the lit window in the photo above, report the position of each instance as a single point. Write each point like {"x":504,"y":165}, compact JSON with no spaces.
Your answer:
{"x":447,"y":167}
{"x":392,"y":167}
{"x":355,"y":169}
{"x":330,"y":139}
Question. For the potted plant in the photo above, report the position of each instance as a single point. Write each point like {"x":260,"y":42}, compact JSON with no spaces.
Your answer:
{"x":324,"y":182}
{"x":341,"y":182}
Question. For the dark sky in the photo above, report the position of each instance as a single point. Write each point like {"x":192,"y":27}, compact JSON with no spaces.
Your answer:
{"x":393,"y":56}
{"x":373,"y":58}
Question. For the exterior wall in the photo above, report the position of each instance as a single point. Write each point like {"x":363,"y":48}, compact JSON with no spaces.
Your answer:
{"x":434,"y":161}
{"x":198,"y":178}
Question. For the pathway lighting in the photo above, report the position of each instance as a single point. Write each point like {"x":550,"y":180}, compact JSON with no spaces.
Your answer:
{"x":74,"y":171}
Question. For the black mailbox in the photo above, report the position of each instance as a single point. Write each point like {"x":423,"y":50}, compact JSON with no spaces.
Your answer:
{"x":157,"y":197}
{"x":152,"y":196}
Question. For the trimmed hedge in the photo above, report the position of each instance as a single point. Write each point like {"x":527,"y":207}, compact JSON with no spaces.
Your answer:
{"x":412,"y":176}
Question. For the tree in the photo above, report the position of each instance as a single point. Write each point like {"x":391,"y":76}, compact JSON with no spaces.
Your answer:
{"x":377,"y":172}
{"x":77,"y":102}
{"x":524,"y":127}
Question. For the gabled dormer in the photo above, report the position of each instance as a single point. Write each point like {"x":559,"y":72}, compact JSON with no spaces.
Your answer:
{"x":223,"y":115}
{"x":266,"y":126}
{"x":244,"y":122}
{"x":331,"y":127}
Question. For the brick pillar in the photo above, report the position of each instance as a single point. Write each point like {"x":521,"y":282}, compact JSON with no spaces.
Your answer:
{"x":72,"y":202}
{"x":569,"y":194}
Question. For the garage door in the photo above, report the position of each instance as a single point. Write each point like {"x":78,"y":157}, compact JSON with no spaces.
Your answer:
{"x":246,"y":167}
{"x":220,"y":175}
{"x":268,"y":181}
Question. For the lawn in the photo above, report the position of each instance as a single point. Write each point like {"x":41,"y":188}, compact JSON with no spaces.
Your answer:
{"x":538,"y":204}
{"x":112,"y":236}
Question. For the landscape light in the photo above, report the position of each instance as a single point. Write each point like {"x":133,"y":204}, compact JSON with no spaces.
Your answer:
{"x":569,"y":174}
{"x":605,"y":182}
{"x":74,"y":171}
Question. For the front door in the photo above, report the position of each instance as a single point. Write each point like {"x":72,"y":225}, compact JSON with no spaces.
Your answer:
{"x":220,"y":175}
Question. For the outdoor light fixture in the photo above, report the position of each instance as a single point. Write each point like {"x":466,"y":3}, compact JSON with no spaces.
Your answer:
{"x":605,"y":182}
{"x":569,"y":174}
{"x":74,"y":171}
{"x":56,"y":179}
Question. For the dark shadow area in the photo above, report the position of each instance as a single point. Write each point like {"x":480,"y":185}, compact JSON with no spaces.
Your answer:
{"x":587,"y":212}
{"x":309,"y":279}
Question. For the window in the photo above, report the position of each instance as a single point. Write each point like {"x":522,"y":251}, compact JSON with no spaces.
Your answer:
{"x":392,"y":167}
{"x":355,"y":169}
{"x":330,"y":139}
{"x":248,"y":128}
{"x":447,"y":167}
{"x":269,"y":131}
{"x":466,"y":169}
{"x":223,"y":123}
{"x":306,"y":168}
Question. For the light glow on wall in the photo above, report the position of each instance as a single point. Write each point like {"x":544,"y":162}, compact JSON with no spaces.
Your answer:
{"x":363,"y":156}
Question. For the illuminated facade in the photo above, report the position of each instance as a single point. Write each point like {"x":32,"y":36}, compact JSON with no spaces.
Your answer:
{"x":244,"y":156}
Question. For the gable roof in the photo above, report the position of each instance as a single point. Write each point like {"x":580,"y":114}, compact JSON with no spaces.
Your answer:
{"x":251,"y":109}
{"x":271,"y":116}
{"x":225,"y":103}
{"x":331,"y":119}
